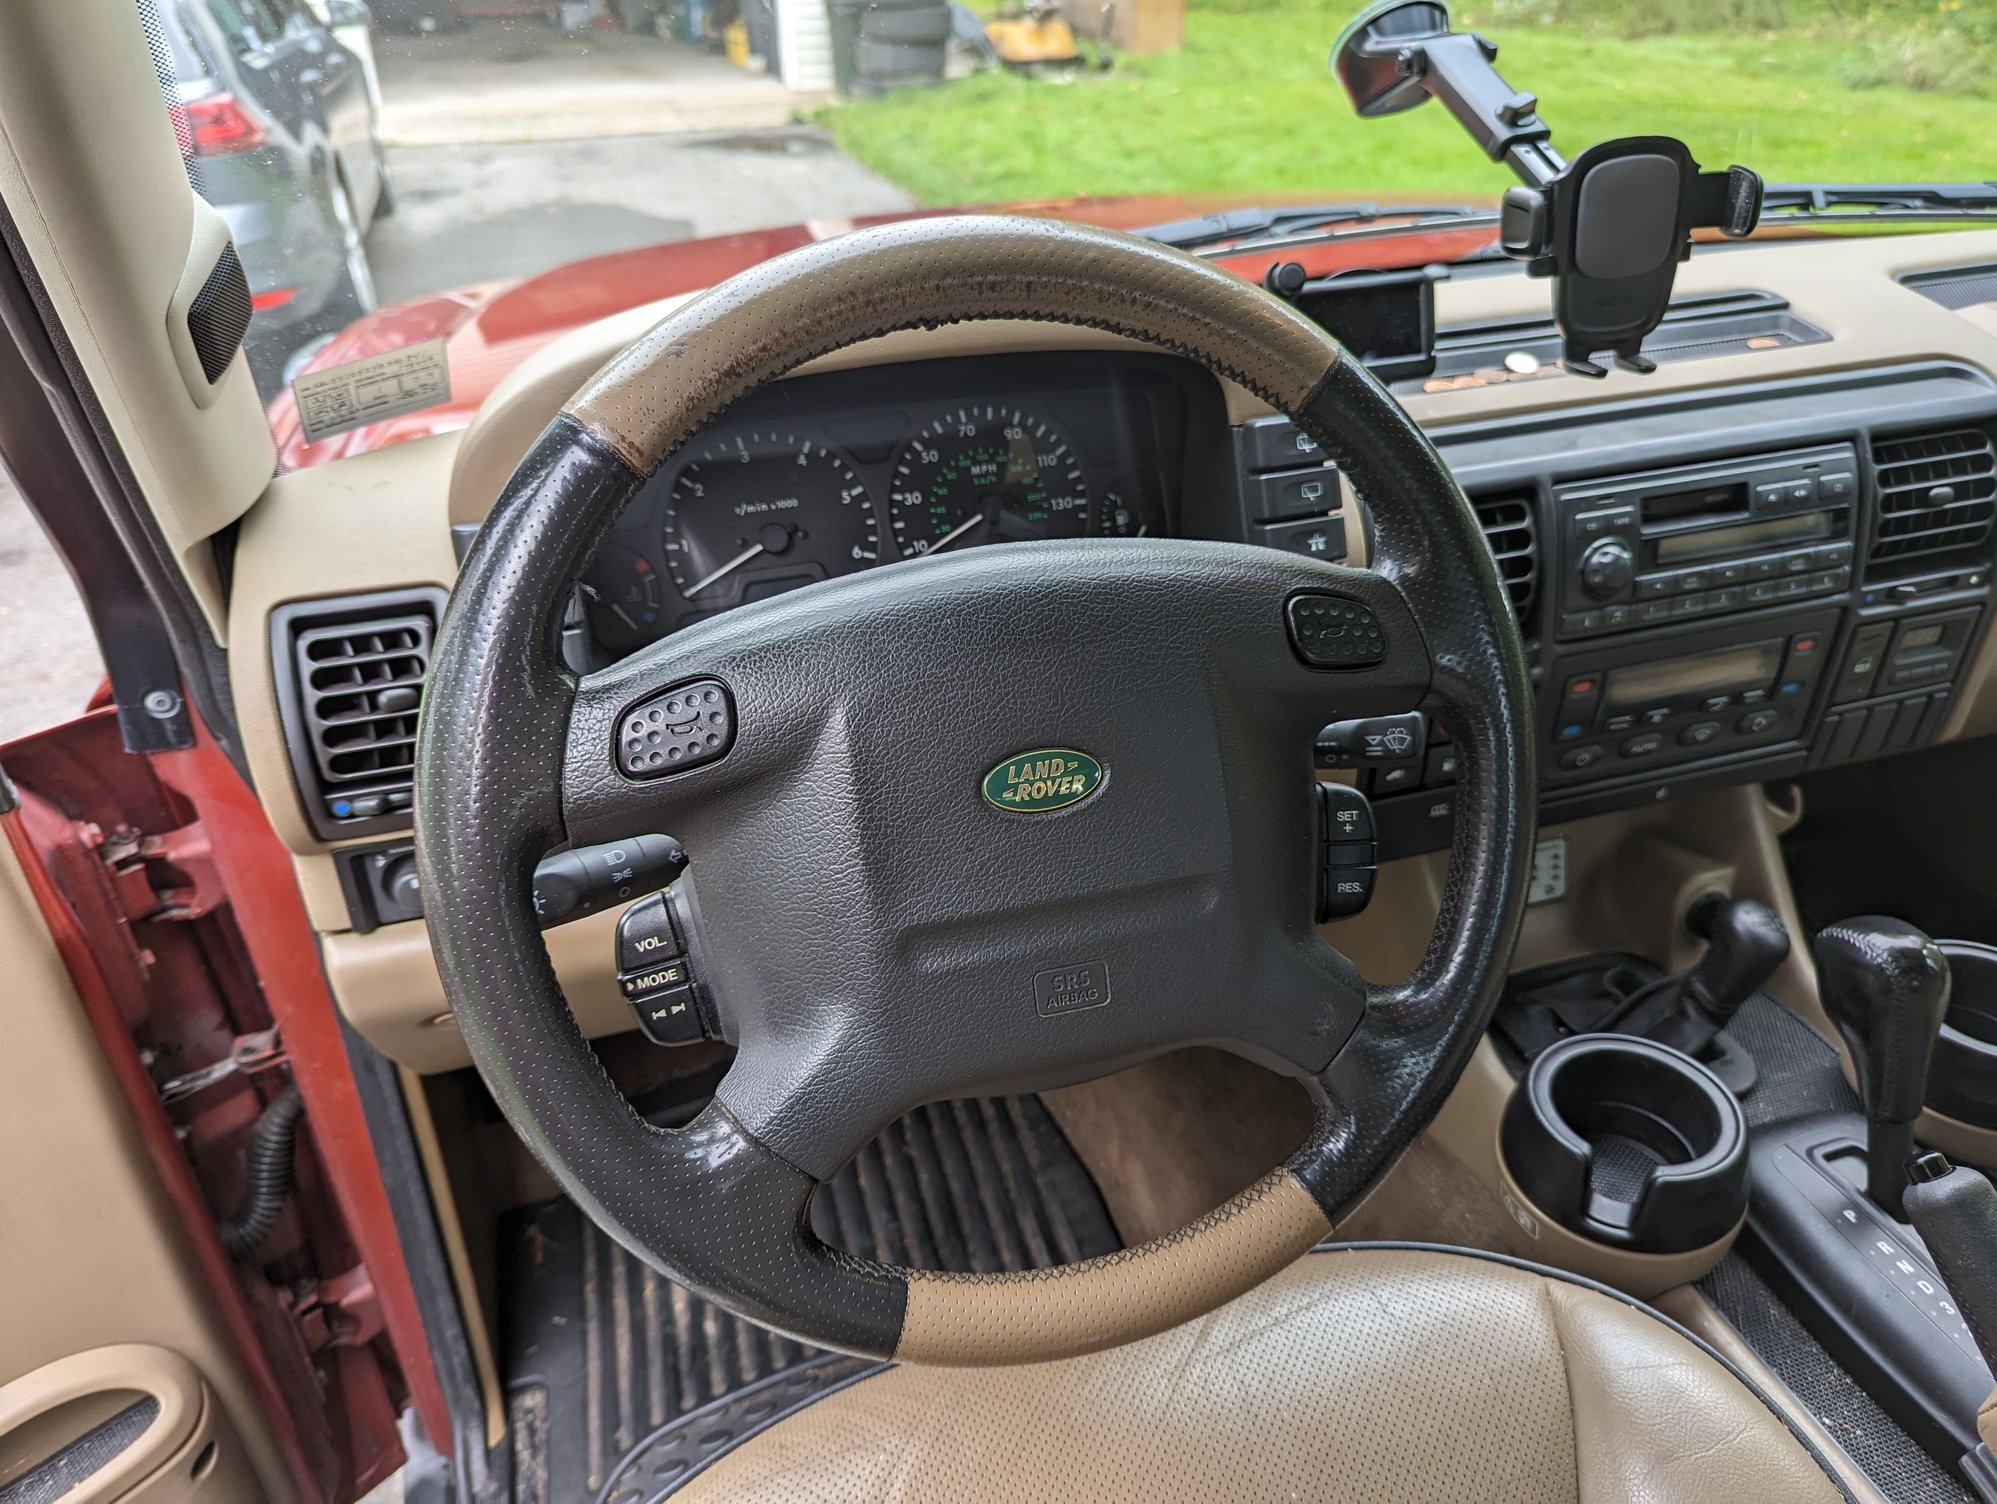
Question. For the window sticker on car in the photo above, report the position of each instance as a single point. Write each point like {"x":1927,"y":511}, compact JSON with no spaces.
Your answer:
{"x":366,"y":391}
{"x":1549,"y":871}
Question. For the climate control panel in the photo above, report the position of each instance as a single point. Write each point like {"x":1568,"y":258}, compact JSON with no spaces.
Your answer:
{"x":1635,"y":711}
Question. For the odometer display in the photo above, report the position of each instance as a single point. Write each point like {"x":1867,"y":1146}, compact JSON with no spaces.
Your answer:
{"x":985,"y":473}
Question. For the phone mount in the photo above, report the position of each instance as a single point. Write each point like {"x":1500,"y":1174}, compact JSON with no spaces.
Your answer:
{"x":1610,"y":227}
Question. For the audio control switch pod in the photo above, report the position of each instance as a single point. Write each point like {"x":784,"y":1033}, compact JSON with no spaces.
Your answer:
{"x":656,"y":977}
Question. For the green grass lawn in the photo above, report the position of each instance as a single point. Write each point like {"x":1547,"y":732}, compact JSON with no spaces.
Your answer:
{"x":1250,"y":105}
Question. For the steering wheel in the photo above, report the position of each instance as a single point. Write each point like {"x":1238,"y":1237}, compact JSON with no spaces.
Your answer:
{"x":880,"y":930}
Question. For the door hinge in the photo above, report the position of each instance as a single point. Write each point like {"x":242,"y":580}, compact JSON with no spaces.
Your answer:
{"x":339,"y":1312}
{"x":167,"y":876}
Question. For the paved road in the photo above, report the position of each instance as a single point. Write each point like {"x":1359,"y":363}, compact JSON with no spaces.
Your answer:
{"x":475,"y":213}
{"x":48,"y":659}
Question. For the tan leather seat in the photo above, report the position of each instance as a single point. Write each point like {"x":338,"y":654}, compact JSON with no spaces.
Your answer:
{"x":1367,"y":1374}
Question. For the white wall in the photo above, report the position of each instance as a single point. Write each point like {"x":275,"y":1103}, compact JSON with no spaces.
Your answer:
{"x":805,"y":43}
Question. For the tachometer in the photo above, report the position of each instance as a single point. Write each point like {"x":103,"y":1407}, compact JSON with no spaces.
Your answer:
{"x":757,"y":513}
{"x":985,"y":473}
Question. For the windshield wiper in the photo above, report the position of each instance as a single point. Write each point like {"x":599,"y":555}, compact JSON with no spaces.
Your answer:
{"x":1879,"y":201}
{"x":1256,"y":228}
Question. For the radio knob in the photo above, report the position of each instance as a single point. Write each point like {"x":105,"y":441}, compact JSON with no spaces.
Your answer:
{"x":1607,"y":569}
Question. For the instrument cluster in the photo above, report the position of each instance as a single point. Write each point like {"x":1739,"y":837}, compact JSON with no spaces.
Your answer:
{"x":804,"y":483}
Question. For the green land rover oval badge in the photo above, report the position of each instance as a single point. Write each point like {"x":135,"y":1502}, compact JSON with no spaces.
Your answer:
{"x":1044,"y":779}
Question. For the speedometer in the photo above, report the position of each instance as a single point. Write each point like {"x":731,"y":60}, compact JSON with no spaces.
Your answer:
{"x":757,"y":513}
{"x":985,"y":473}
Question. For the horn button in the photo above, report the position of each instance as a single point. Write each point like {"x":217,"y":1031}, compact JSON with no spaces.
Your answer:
{"x":1000,"y":822}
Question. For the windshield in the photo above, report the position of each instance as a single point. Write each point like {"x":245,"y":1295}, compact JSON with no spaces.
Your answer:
{"x":465,"y":180}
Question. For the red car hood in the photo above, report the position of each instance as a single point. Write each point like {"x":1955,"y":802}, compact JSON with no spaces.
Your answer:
{"x":490,"y":329}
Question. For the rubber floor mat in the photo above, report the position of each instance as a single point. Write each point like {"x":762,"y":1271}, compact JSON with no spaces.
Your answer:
{"x":602,"y":1355}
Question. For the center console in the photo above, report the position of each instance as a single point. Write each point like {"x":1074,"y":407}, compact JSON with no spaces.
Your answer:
{"x":1740,"y":588}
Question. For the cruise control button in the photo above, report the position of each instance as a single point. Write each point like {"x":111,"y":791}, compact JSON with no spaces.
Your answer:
{"x":1330,"y":631}
{"x":1347,"y":890}
{"x":679,"y":729}
{"x":1347,"y":814}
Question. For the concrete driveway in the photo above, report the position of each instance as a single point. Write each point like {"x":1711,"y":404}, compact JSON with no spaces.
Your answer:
{"x":526,"y":81}
{"x":473,"y":213}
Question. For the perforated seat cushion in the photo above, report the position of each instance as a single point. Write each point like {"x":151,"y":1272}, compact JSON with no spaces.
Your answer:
{"x":1379,"y":1374}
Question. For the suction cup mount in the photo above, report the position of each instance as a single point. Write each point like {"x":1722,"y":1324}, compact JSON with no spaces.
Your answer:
{"x":1610,"y":227}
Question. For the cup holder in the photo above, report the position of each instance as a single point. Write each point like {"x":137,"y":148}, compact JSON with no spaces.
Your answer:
{"x":1628,"y":1142}
{"x":1962,"y":1082}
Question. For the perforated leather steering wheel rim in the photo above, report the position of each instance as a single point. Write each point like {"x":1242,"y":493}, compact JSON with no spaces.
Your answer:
{"x":713,"y":1205}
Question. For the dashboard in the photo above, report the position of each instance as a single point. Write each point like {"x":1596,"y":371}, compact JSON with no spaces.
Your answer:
{"x":1773,"y":555}
{"x":826,"y":475}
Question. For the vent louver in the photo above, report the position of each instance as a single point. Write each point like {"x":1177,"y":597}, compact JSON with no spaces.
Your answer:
{"x":1937,"y":495}
{"x":1956,"y":287}
{"x":1508,"y":527}
{"x":351,"y":678}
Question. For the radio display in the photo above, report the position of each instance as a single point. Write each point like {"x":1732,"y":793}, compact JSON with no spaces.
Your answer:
{"x":1703,"y":501}
{"x":1712,"y":542}
{"x":1724,"y":672}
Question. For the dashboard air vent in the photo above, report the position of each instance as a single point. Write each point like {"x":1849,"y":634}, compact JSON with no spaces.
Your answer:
{"x":1937,"y":496}
{"x":1956,"y":286}
{"x":1509,"y":528}
{"x":350,"y":678}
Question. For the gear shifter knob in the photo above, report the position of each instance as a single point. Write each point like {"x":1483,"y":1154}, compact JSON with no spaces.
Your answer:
{"x":1745,"y":942}
{"x":1885,"y":985}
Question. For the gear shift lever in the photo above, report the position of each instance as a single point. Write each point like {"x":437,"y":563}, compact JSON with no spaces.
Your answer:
{"x":1745,"y":942}
{"x":1885,"y":985}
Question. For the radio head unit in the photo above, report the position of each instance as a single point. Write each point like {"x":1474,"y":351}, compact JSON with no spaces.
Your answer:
{"x":1705,"y":540}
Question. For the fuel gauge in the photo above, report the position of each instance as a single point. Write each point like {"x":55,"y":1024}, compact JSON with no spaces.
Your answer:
{"x":1133,"y":506}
